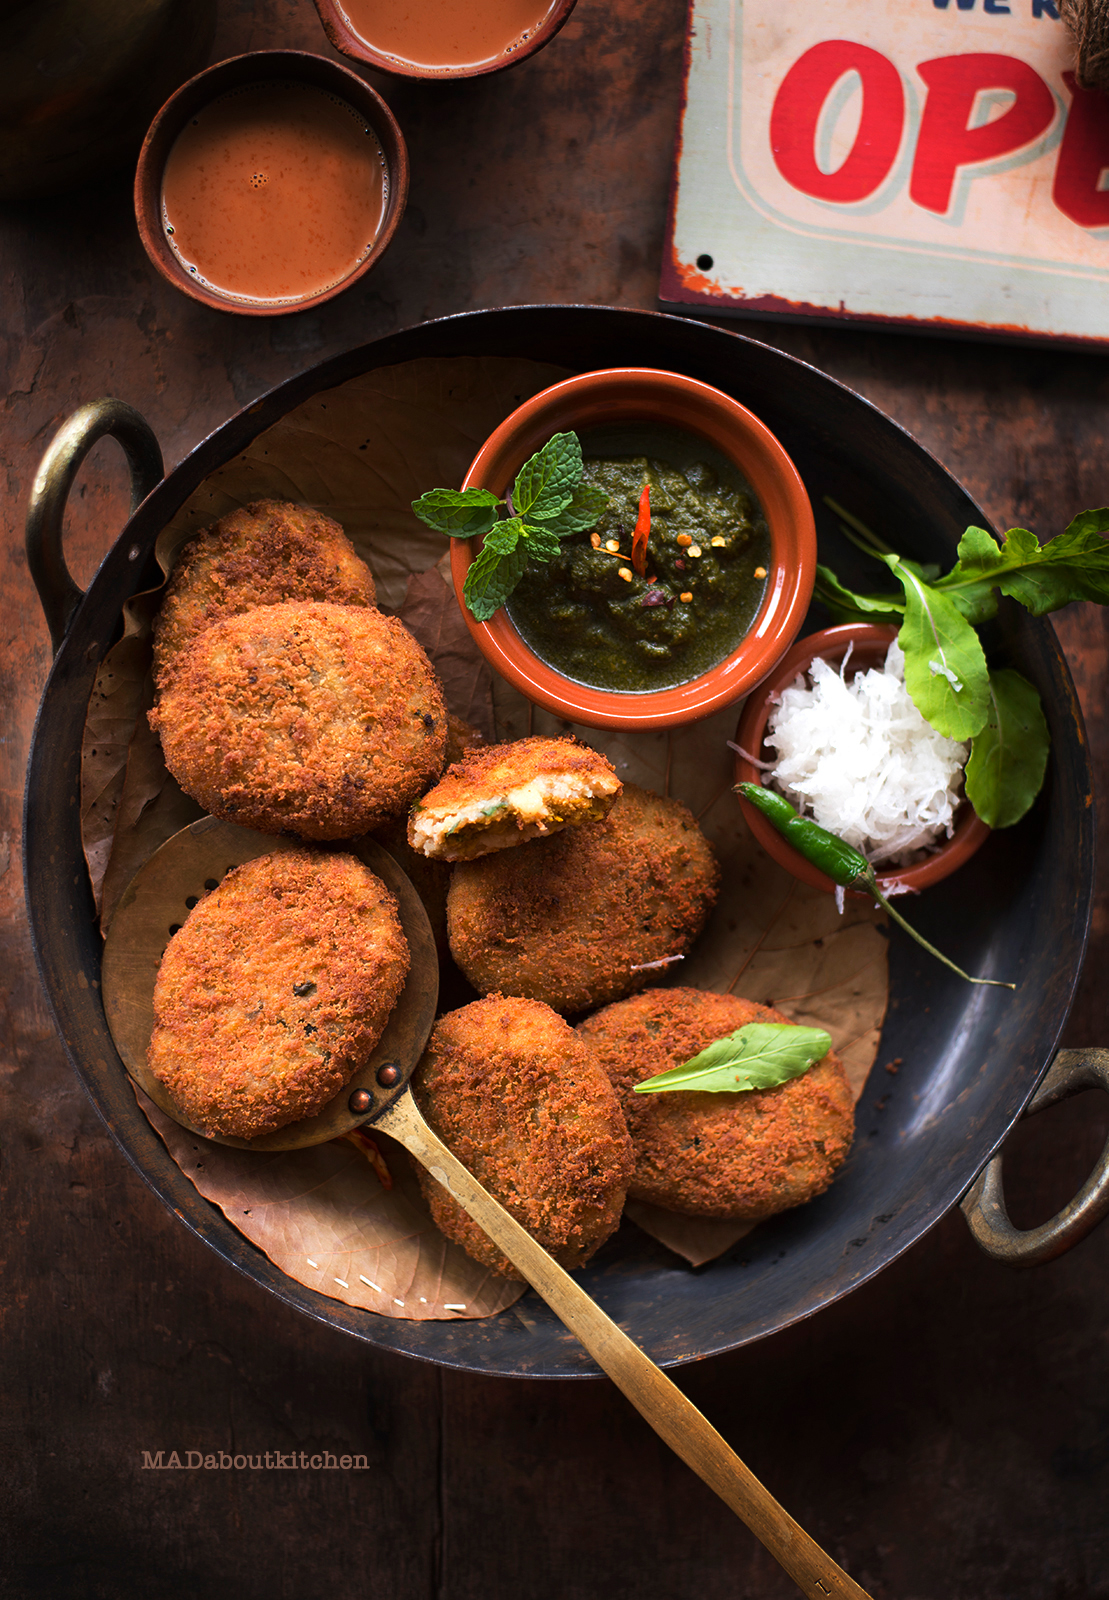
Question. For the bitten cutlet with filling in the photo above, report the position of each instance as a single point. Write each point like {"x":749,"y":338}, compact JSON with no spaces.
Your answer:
{"x":305,"y":718}
{"x":742,"y":1156}
{"x":507,"y":793}
{"x":518,"y":1097}
{"x":576,"y":920}
{"x":260,"y":555}
{"x":275,"y":990}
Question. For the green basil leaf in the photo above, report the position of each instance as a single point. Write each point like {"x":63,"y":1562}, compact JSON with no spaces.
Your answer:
{"x":945,"y":666}
{"x":846,"y":606}
{"x":462,"y":513}
{"x":587,"y":504}
{"x":544,"y":484}
{"x":759,"y":1055}
{"x":1009,"y":757}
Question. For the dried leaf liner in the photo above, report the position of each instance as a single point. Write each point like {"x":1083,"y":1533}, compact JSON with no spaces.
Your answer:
{"x":324,"y":1218}
{"x":770,"y":939}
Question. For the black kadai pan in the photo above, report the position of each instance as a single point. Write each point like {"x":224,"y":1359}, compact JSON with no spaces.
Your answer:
{"x":973,"y":1059}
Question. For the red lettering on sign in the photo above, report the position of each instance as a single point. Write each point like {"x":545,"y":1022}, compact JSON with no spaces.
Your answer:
{"x":797,"y":107}
{"x":1083,"y":157}
{"x":946,"y":142}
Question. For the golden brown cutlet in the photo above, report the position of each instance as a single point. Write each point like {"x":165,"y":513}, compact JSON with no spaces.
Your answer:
{"x":568,"y":920}
{"x":262,"y":554}
{"x":306,"y":718}
{"x":520,"y":1100}
{"x":500,"y":796}
{"x":742,"y":1156}
{"x":275,"y":990}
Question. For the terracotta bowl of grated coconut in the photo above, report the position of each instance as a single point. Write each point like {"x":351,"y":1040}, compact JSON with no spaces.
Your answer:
{"x":848,"y":748}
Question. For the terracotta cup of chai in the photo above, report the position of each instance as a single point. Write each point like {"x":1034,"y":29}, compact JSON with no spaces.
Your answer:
{"x":270,"y":182}
{"x":441,"y":38}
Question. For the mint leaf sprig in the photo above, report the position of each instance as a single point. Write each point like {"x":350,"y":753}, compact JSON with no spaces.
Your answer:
{"x":946,"y":672}
{"x":760,"y":1055}
{"x":548,"y":501}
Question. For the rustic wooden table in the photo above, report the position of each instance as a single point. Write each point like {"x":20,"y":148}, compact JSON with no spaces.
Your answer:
{"x":944,"y":1431}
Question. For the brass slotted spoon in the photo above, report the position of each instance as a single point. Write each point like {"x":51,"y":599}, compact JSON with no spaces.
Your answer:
{"x":159,"y":897}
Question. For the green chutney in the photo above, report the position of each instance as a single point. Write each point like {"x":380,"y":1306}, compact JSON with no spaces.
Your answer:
{"x":589,"y":615}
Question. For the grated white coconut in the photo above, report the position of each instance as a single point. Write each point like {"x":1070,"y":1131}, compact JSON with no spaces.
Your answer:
{"x":860,"y":759}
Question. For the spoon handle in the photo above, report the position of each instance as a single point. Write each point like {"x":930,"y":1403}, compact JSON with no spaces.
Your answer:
{"x":674,"y":1418}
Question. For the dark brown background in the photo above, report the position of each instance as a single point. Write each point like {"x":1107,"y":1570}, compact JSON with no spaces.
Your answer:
{"x":945,"y":1431}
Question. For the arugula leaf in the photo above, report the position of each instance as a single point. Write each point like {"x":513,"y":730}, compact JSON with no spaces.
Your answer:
{"x":1072,"y":566}
{"x":1096,"y":522}
{"x":945,"y":669}
{"x":465,"y":513}
{"x":759,"y":1055}
{"x":544,"y":484}
{"x":945,"y":665}
{"x":1009,"y":757}
{"x":846,"y":606}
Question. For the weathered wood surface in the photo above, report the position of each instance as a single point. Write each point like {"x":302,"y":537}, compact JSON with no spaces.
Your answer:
{"x":944,"y":1432}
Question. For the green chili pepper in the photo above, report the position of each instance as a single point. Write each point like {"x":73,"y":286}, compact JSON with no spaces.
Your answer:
{"x":843,"y":864}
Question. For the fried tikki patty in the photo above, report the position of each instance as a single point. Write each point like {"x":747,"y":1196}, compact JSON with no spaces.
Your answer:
{"x":568,"y":920}
{"x":520,"y":1100}
{"x":742,"y":1156}
{"x":306,"y":718}
{"x":429,"y":877}
{"x":507,"y":793}
{"x":275,"y":990}
{"x":260,"y":555}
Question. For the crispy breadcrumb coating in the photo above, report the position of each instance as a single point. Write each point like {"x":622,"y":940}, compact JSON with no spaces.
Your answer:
{"x":430,"y":878}
{"x":260,"y":555}
{"x":275,"y":990}
{"x":306,"y":718}
{"x":520,"y":1100}
{"x":508,"y":793}
{"x":567,"y":920}
{"x":741,"y":1156}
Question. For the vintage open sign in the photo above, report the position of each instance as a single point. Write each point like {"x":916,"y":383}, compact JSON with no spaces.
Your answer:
{"x":927,"y":162}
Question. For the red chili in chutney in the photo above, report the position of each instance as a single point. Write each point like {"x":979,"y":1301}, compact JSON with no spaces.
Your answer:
{"x":594,"y":617}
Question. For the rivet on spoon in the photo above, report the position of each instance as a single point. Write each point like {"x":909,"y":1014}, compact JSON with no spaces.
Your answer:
{"x":388,"y":1074}
{"x":361,"y":1100}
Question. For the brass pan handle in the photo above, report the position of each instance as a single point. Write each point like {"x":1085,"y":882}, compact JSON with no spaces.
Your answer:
{"x":983,"y":1205}
{"x":659,"y":1401}
{"x":59,"y":594}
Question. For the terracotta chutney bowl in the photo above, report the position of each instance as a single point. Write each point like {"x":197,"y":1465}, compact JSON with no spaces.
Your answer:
{"x":624,"y":395}
{"x":341,"y":23}
{"x":300,"y":71}
{"x":870,"y":643}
